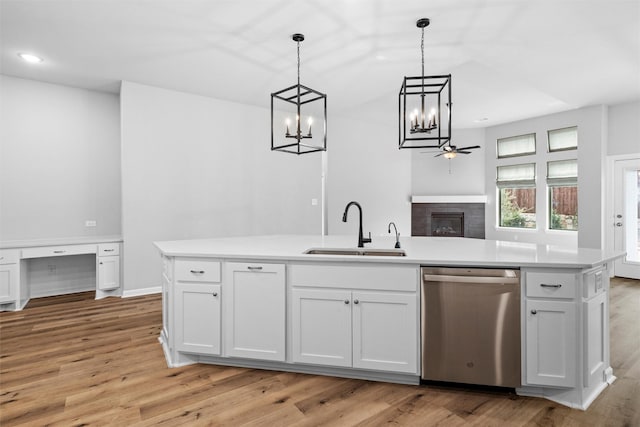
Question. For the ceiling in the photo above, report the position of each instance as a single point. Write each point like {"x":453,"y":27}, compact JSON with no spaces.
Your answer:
{"x":509,"y":59}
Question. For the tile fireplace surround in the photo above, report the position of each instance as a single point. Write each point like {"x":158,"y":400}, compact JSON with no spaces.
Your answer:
{"x":425,"y":208}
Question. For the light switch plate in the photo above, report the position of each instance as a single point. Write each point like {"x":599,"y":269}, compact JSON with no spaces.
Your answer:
{"x":90,"y":223}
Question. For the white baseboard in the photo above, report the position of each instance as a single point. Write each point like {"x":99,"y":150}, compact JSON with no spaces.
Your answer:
{"x":143,"y":291}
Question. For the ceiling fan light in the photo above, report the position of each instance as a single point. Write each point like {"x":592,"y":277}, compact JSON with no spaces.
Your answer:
{"x":449,"y":154}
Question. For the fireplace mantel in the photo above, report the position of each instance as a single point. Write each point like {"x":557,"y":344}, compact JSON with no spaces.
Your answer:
{"x":480,"y":198}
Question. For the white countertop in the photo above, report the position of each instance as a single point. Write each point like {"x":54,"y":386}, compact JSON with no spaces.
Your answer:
{"x":446,"y":251}
{"x":62,"y":241}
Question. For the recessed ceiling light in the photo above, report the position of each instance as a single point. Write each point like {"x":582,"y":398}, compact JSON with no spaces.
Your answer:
{"x":33,"y":59}
{"x":483,"y":119}
{"x":381,"y":57}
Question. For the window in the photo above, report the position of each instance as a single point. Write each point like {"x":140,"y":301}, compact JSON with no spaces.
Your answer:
{"x":517,"y":146}
{"x":517,"y":195}
{"x":562,"y":139}
{"x":562,"y":180}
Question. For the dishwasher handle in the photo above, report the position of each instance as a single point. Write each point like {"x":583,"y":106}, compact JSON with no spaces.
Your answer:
{"x":471,"y":279}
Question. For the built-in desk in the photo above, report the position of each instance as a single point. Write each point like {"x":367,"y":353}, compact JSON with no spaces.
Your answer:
{"x":16,"y":256}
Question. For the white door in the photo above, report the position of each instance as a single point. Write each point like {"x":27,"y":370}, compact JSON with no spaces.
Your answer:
{"x":627,"y":216}
{"x":197,"y":318}
{"x":321,"y":326}
{"x":551,"y":346}
{"x":8,"y":280}
{"x":108,"y":272}
{"x":385,"y":331}
{"x":255,"y":311}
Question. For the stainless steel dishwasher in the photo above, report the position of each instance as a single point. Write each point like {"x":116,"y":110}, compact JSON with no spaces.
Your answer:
{"x":470,"y":319}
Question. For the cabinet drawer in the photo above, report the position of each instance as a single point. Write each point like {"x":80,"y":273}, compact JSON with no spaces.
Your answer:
{"x":550,"y":284}
{"x":9,"y":256}
{"x":49,"y":251}
{"x":107,"y":249}
{"x":197,"y":270}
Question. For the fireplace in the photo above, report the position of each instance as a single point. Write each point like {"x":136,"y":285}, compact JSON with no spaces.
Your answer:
{"x":448,"y":216}
{"x":449,"y":224}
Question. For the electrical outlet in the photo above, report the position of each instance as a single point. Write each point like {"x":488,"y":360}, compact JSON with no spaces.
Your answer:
{"x":89,"y":223}
{"x":314,"y":202}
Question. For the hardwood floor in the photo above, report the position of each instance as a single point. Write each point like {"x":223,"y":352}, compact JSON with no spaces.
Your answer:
{"x":70,"y":360}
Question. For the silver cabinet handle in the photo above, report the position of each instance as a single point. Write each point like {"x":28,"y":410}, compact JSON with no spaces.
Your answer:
{"x":215,"y":294}
{"x":355,"y":301}
{"x":534,"y":312}
{"x":254,"y":268}
{"x":59,"y":252}
{"x":544,"y":285}
{"x":197,"y":271}
{"x":109,"y":250}
{"x":346,"y":301}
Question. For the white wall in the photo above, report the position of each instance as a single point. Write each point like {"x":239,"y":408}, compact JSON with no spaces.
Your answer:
{"x":592,"y":142}
{"x":197,"y":167}
{"x":463,"y":175}
{"x":365,"y":165}
{"x":59,"y":161}
{"x":624,"y":129}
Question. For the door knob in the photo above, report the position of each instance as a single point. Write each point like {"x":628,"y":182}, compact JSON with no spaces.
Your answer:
{"x":618,"y":216}
{"x":534,"y":312}
{"x":355,"y":301}
{"x":618,"y":224}
{"x":346,"y":301}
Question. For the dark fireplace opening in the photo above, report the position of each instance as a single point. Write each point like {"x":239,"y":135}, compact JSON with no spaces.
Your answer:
{"x":449,"y":224}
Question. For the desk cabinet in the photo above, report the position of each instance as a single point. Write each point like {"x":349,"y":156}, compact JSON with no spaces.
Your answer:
{"x":23,"y":261}
{"x":108,"y":268}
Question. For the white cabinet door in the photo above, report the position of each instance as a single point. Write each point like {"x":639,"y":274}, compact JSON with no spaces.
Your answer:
{"x":551,"y":343}
{"x":8,"y":282}
{"x":108,"y":272}
{"x":197,"y":318}
{"x":385,"y":331}
{"x":255,"y":311}
{"x":321,"y":326}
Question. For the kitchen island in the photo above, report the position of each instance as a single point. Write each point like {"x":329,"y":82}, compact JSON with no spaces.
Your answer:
{"x":264,"y":302}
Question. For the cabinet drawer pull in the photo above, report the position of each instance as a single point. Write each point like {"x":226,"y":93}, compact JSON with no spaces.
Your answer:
{"x":59,"y":252}
{"x":544,"y":285}
{"x":355,"y":301}
{"x":534,"y":312}
{"x":215,"y":294}
{"x":346,"y":301}
{"x":254,"y":268}
{"x":197,"y":271}
{"x":109,"y":250}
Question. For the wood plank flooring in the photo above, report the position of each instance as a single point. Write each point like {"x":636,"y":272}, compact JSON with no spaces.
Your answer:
{"x":70,"y":360}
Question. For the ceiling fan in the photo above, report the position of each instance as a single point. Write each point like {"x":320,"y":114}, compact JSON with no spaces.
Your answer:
{"x":450,"y":151}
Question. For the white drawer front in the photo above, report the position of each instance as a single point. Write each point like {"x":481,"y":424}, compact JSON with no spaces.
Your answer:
{"x":197,"y":270}
{"x":49,"y":251}
{"x":9,"y":256}
{"x":379,"y":277}
{"x":550,"y":284}
{"x":108,"y":249}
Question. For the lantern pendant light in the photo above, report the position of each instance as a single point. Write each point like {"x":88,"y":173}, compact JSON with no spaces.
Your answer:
{"x":297,"y":106}
{"x":424,"y":107}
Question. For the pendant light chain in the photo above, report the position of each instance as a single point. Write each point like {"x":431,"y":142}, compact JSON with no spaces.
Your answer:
{"x":298,"y":62}
{"x":422,"y":49}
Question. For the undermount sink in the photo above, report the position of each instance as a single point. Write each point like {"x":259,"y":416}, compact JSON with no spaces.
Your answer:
{"x":357,"y":252}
